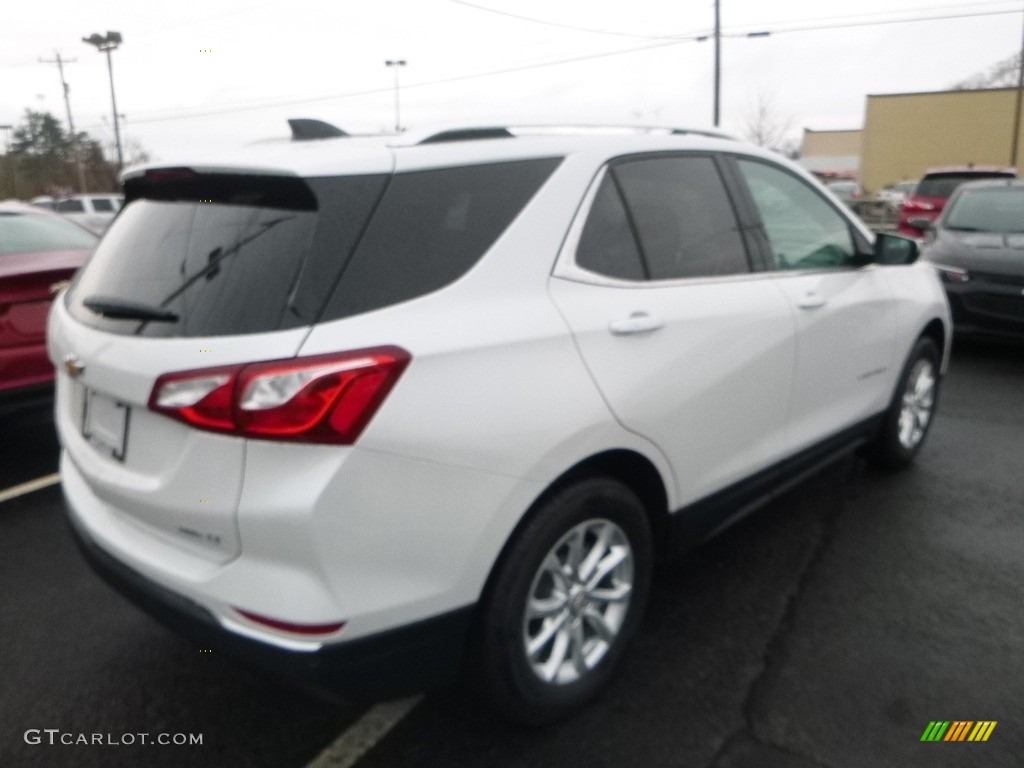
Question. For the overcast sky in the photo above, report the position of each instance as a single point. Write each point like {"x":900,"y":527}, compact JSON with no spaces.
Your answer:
{"x":212,"y":74}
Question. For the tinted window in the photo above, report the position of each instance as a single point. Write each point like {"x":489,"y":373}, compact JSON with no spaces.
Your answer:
{"x":607,"y":245}
{"x":102,"y":205}
{"x":998,"y":209}
{"x":430,"y":228}
{"x":804,"y":230}
{"x":69,"y":206}
{"x":33,"y":233}
{"x":683,"y":217}
{"x":261,"y":257}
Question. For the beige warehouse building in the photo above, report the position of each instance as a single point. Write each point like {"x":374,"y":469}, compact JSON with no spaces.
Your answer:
{"x":907,"y":133}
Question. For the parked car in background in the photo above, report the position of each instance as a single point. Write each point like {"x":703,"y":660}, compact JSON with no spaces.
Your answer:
{"x":847,"y":191}
{"x":449,"y":395}
{"x":38,"y":250}
{"x":92,"y":211}
{"x":977,"y":246}
{"x":936,"y":187}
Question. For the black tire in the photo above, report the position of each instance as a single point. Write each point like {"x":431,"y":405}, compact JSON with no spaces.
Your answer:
{"x":589,"y":512}
{"x":906,"y":424}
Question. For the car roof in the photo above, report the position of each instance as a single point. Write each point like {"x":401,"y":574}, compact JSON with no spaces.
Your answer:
{"x":449,"y":146}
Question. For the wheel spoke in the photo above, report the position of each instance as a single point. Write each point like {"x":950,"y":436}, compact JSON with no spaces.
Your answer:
{"x":611,"y":561}
{"x":599,"y":625}
{"x":559,"y":650}
{"x":539,"y":608}
{"x":551,"y":627}
{"x":575,"y":543}
{"x":618,"y":593}
{"x":579,"y":661}
{"x":596,"y":553}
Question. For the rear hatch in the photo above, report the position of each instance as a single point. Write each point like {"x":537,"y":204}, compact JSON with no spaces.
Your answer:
{"x":201,"y":269}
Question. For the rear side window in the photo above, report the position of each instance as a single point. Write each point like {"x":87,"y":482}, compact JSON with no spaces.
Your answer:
{"x":430,"y":228}
{"x":683,"y":217}
{"x":607,"y":245}
{"x":102,"y":205}
{"x":663,"y":218}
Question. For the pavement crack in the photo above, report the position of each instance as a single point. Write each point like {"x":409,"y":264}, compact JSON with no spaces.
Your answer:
{"x":841,"y":476}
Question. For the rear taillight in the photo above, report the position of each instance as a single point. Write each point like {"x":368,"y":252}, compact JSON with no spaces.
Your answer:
{"x":322,"y":399}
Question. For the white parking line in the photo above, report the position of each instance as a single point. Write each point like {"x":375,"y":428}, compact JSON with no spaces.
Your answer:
{"x":32,"y":485}
{"x":363,"y":734}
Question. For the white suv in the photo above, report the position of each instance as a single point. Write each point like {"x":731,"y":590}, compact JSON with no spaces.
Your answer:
{"x":363,"y":408}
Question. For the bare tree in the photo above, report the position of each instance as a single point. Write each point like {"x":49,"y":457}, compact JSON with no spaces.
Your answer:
{"x":767,"y":128}
{"x":1002,"y":74}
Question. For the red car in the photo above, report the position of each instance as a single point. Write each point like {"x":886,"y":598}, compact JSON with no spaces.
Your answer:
{"x":38,"y":251}
{"x":937,"y":186}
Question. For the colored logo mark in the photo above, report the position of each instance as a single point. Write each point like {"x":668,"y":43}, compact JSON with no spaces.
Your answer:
{"x":958,"y":730}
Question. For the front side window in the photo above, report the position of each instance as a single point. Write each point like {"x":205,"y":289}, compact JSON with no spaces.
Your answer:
{"x":804,"y":230}
{"x":663,"y":218}
{"x":102,"y":205}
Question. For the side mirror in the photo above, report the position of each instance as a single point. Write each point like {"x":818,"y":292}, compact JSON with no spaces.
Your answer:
{"x":894,"y":249}
{"x":922,"y":223}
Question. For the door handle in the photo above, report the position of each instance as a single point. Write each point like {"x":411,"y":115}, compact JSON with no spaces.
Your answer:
{"x":811,"y":301}
{"x":638,"y":322}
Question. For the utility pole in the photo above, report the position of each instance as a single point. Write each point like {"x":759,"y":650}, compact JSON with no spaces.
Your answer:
{"x":718,"y":57}
{"x":71,"y":123}
{"x":10,"y":159}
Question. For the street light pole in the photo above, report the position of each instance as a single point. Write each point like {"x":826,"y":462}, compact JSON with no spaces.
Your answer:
{"x":106,"y":44}
{"x":396,"y":64}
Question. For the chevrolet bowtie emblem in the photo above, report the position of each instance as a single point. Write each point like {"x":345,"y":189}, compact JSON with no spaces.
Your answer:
{"x":73,"y":365}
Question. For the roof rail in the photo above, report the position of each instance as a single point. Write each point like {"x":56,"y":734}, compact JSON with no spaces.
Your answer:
{"x":467,"y":134}
{"x":504,"y":132}
{"x":306,"y":129}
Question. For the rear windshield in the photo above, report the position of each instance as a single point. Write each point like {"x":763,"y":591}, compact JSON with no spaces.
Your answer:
{"x":999,"y":209}
{"x":945,"y":184}
{"x":231,"y":254}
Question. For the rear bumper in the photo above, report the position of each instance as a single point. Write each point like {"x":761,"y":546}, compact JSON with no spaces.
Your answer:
{"x":384,"y":665}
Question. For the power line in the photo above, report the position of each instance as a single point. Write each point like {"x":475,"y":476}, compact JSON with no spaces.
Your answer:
{"x":558,"y":24}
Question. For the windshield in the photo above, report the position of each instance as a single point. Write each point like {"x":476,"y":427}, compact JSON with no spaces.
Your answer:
{"x":991,"y":209}
{"x":34,"y":233}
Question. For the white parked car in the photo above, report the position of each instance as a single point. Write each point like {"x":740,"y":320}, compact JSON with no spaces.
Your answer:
{"x":92,"y":211}
{"x":364,"y":409}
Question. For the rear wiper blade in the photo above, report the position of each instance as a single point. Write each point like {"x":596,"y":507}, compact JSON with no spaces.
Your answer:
{"x":128,"y":310}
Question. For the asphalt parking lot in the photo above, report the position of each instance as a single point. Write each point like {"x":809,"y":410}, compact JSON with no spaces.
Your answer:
{"x":827,"y":631}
